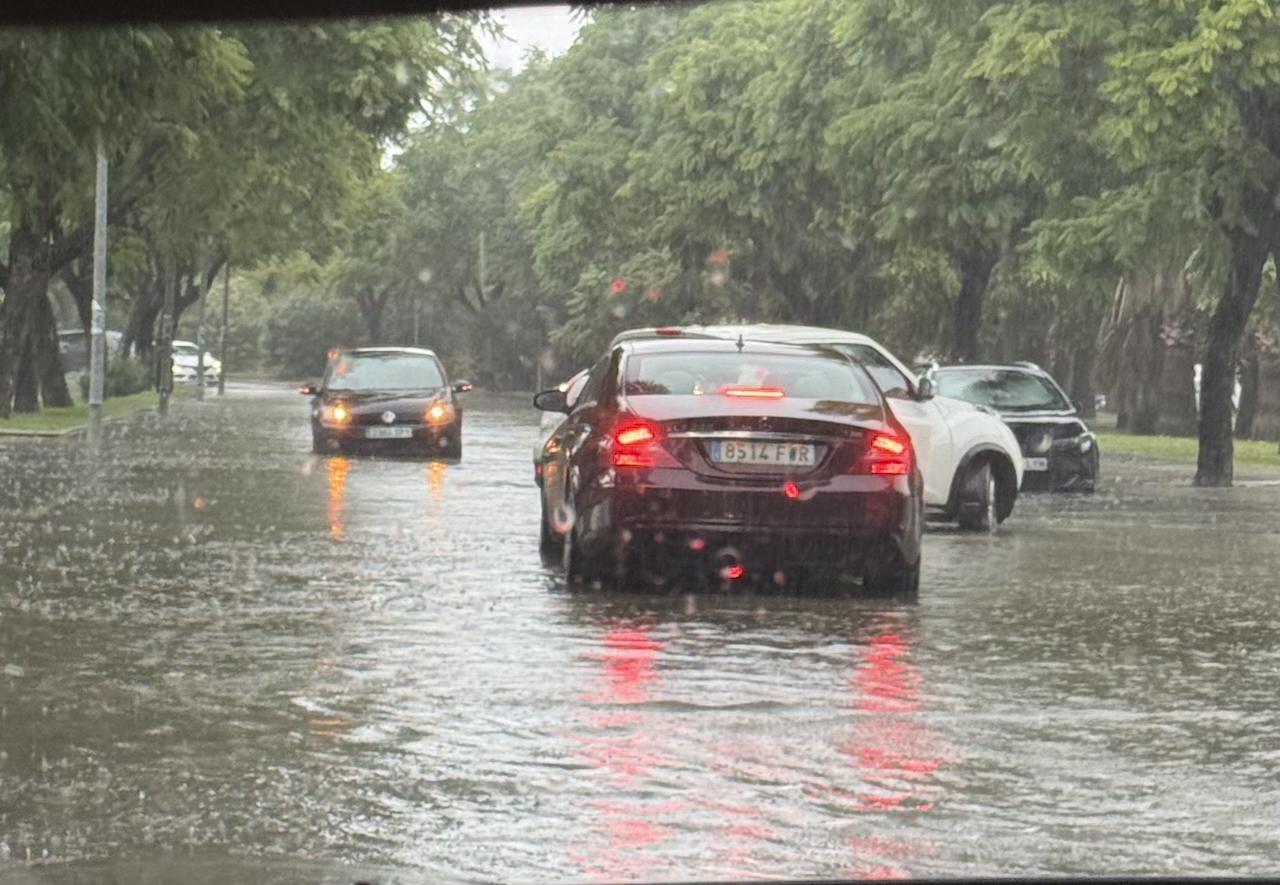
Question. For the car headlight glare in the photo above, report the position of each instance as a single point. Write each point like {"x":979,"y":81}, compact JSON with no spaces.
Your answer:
{"x":338,"y":413}
{"x":439,"y":413}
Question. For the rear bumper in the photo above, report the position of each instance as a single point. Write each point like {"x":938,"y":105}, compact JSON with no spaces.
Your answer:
{"x":838,"y":520}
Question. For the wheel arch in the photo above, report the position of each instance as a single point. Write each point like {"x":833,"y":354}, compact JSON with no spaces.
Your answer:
{"x":1005,"y":473}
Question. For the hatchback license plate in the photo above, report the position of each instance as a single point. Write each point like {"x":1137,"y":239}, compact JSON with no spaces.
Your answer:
{"x":1035,"y":463}
{"x":756,"y":452}
{"x":388,"y":433}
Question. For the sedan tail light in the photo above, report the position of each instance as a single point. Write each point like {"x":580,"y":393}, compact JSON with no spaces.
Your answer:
{"x":637,"y":443}
{"x":886,"y":455}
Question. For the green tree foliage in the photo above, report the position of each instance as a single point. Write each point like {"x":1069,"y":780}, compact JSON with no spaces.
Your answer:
{"x":241,"y":141}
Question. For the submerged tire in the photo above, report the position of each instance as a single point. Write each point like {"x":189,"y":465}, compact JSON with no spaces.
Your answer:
{"x":977,"y":511}
{"x":888,"y":576}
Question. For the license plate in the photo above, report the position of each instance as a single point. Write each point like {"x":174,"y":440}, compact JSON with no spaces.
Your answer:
{"x":1035,"y":463}
{"x":388,"y":433}
{"x":755,"y":452}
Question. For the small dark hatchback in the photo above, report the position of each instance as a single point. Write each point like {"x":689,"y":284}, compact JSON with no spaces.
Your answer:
{"x":386,"y":399}
{"x":1059,"y":452}
{"x":735,"y":461}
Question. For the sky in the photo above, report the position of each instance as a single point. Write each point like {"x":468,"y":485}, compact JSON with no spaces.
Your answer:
{"x":550,"y":27}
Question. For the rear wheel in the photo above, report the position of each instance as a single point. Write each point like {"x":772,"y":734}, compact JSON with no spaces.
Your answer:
{"x":581,"y":565}
{"x":978,"y":500}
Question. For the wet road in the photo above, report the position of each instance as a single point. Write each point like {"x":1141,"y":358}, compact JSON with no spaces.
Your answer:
{"x":216,"y":645}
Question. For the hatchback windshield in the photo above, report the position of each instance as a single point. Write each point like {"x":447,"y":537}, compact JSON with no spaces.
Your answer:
{"x":391,"y":371}
{"x":1002,"y":389}
{"x":697,"y":374}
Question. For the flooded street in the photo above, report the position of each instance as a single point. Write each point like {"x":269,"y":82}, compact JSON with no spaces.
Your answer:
{"x":214,"y":645}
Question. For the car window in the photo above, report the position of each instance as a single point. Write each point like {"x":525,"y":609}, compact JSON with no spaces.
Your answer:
{"x":890,"y":379}
{"x":1004,"y":389}
{"x":594,"y":383}
{"x":575,"y":389}
{"x":803,"y":376}
{"x":395,"y":371}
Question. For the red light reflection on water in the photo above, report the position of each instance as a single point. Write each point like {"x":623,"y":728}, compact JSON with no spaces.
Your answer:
{"x":623,"y":740}
{"x":892,"y":750}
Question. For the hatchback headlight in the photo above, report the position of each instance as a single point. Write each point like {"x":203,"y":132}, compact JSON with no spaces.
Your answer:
{"x":439,"y":413}
{"x":338,"y":413}
{"x":1084,"y":442}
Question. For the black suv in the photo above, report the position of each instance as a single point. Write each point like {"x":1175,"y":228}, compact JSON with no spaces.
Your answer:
{"x":1058,"y":451}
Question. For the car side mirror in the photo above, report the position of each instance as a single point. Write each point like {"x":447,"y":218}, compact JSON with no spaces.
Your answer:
{"x":551,"y":401}
{"x":925,"y":389}
{"x":462,"y":387}
{"x":1075,"y":404}
{"x":308,"y":390}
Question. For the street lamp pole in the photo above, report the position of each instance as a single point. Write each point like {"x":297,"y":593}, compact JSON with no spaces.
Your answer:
{"x":222,"y":344}
{"x":204,"y":290}
{"x":164,"y":353}
{"x":98,"y":321}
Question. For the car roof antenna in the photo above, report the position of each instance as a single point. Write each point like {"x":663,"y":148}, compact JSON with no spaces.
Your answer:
{"x":740,"y":342}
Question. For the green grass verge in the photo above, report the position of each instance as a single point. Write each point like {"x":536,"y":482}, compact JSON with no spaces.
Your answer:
{"x":53,"y":420}
{"x":1185,"y":448}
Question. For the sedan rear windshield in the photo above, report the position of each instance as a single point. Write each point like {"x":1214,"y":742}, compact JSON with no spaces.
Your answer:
{"x":805,"y":376}
{"x":384,"y":371}
{"x":1007,"y":390}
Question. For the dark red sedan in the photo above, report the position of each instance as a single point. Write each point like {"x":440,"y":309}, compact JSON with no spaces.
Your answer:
{"x":736,"y":459}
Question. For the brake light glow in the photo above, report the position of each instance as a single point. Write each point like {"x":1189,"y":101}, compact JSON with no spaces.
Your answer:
{"x":634,"y":444}
{"x":753,"y":392}
{"x":631,"y":459}
{"x":886,"y":455}
{"x":668,"y":332}
{"x":635,"y":435}
{"x":890,"y":444}
{"x":734,"y":572}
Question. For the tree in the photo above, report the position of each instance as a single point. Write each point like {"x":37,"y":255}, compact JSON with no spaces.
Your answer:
{"x":1191,"y":103}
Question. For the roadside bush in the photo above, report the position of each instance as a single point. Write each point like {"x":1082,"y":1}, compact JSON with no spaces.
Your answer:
{"x":300,"y":329}
{"x":125,"y":376}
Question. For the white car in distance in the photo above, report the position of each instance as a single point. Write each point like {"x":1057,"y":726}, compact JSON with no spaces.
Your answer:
{"x":186,"y":363}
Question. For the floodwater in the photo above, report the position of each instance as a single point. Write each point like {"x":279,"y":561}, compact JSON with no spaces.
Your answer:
{"x":223,"y":658}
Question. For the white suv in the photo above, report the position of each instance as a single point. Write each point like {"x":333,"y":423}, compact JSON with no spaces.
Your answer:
{"x":970,"y":460}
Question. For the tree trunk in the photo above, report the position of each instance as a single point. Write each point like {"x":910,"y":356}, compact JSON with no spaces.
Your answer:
{"x":79,"y":283}
{"x":1177,"y":415}
{"x":26,"y":387}
{"x":139,"y":328}
{"x":47,"y":357}
{"x":1266,"y":422}
{"x":372,"y":309}
{"x":28,"y":281}
{"x":1081,"y":380}
{"x":975,"y":274}
{"x":1250,"y":371}
{"x":1222,"y":353}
